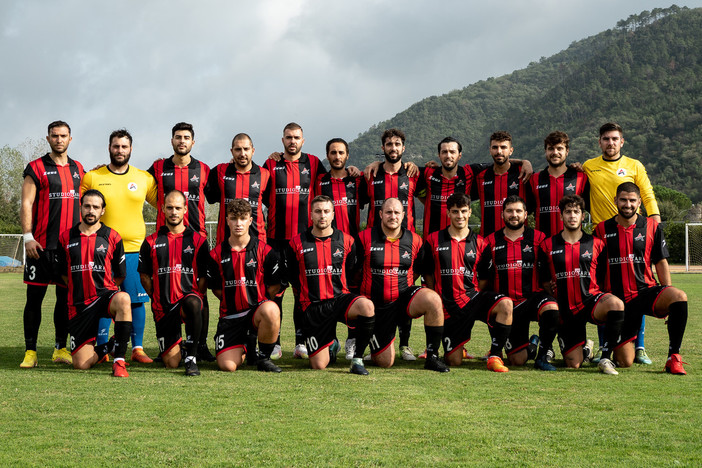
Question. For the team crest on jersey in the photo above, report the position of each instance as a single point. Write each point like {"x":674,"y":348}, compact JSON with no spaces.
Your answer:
{"x":76,"y":175}
{"x":338,"y":253}
{"x":195,"y":178}
{"x":188,"y":249}
{"x":351,"y":184}
{"x":514,"y":185}
{"x":527,"y":248}
{"x":586,"y":254}
{"x":459,"y":183}
{"x":101,"y":249}
{"x":305,"y":171}
{"x":132,"y":186}
{"x":621,"y":172}
{"x":639,"y":238}
{"x":570,"y":188}
{"x":470,"y":253}
{"x":251,"y":263}
{"x":406,"y":255}
{"x":255,"y":185}
{"x":404,"y":186}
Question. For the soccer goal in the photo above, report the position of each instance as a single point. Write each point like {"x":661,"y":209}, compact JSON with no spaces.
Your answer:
{"x":11,"y":252}
{"x":693,"y":247}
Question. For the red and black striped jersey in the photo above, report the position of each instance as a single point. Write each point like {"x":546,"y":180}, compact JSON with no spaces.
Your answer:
{"x":91,"y":263}
{"x":226,"y":183}
{"x":289,"y":195}
{"x":454,"y":266}
{"x":320,"y":268}
{"x":435,"y":188}
{"x":190,"y":180}
{"x":348,"y":195}
{"x":511,"y":265}
{"x":388,"y":266}
{"x":398,"y":185}
{"x":578,"y":269}
{"x":492,"y":189}
{"x":175,"y":262}
{"x":544,"y":192}
{"x":242,"y":275}
{"x":630,"y":253}
{"x":56,"y":205}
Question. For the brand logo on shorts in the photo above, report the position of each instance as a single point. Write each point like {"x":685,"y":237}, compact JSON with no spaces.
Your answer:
{"x":132,"y":186}
{"x":251,"y":263}
{"x":586,"y":254}
{"x":338,"y":253}
{"x":188,"y":249}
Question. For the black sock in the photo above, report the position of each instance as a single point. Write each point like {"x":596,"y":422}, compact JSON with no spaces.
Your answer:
{"x":61,"y":317}
{"x":405,"y":327}
{"x":498,"y":333}
{"x":298,"y":317}
{"x":251,"y":339}
{"x":548,"y":327}
{"x":32,"y":315}
{"x":434,"y":335}
{"x":612,"y":332}
{"x":677,"y":320}
{"x":192,"y":309}
{"x":279,"y":302}
{"x":363,"y":333}
{"x":264,"y":349}
{"x":123,"y":330}
{"x":205,"y":321}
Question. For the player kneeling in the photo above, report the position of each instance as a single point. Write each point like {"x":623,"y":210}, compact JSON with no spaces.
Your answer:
{"x":244,"y":274}
{"x":173,"y":269}
{"x":91,"y":261}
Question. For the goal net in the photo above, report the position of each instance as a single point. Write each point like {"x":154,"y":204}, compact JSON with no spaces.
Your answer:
{"x":693,"y":247}
{"x":11,"y":252}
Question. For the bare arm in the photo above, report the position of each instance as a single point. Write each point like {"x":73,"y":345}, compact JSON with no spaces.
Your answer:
{"x":663,"y":273}
{"x":148,"y":284}
{"x":217,"y":293}
{"x":371,"y":170}
{"x":429,"y":281}
{"x":482,"y":284}
{"x":29,"y":193}
{"x":526,"y":169}
{"x":272,"y":290}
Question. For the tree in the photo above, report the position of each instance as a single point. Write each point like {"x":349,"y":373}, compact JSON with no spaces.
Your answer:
{"x":13,"y":163}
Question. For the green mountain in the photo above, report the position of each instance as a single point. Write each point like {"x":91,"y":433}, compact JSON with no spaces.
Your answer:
{"x":645,"y":74}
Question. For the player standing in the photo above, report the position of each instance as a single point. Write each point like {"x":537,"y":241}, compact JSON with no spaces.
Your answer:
{"x":50,"y":205}
{"x":173,"y":267}
{"x":452,"y":256}
{"x":319,"y":263}
{"x":126,"y":188}
{"x":511,"y":270}
{"x":188,"y":175}
{"x":91,"y":261}
{"x":634,"y":243}
{"x":244,"y":273}
{"x":576,"y":262}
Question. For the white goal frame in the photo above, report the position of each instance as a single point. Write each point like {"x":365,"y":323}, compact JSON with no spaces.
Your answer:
{"x":687,"y":244}
{"x":20,"y":247}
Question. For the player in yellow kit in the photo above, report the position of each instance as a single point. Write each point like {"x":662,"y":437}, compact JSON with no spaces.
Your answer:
{"x":125,"y":189}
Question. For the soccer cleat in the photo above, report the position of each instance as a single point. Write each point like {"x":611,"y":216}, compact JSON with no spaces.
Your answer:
{"x":138,"y":355}
{"x":495,"y":364}
{"x":596,"y":358}
{"x":542,"y":364}
{"x":606,"y":366}
{"x":357,"y":367}
{"x":300,"y":352}
{"x":119,"y":369}
{"x":204,"y":354}
{"x":674,"y":365}
{"x":467,"y":355}
{"x":423,"y":355}
{"x":350,"y":348}
{"x":105,"y":358}
{"x":277,"y":352}
{"x":266,"y":365}
{"x":436,"y":364}
{"x":191,"y":369}
{"x":407,"y":354}
{"x":642,"y":357}
{"x":334,"y":350}
{"x":30,"y":360}
{"x":62,"y":356}
{"x":588,"y":351}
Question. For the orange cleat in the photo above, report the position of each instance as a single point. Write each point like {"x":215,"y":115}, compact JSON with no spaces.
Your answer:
{"x":138,"y":355}
{"x":119,"y":369}
{"x":495,"y":364}
{"x":674,"y":365}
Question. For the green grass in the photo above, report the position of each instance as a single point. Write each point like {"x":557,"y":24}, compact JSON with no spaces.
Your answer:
{"x":56,"y":416}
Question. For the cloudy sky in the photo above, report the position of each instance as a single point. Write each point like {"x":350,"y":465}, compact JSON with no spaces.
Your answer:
{"x":227,"y":67}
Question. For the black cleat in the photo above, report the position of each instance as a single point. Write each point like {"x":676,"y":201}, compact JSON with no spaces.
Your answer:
{"x":191,"y":369}
{"x":333,"y":351}
{"x":204,"y":354}
{"x":266,"y":365}
{"x":436,"y":364}
{"x":358,"y":369}
{"x":252,"y":358}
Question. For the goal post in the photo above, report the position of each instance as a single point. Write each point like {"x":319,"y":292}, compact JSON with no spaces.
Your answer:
{"x":693,"y":246}
{"x":11,"y":251}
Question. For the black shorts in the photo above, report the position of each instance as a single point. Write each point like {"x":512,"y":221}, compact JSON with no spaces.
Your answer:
{"x":40,"y":271}
{"x":571,"y":330}
{"x":319,"y":321}
{"x":168,"y":324}
{"x":388,"y":317}
{"x":522,"y":315}
{"x":643,"y":304}
{"x":233,"y":330}
{"x":83,"y":326}
{"x":460,"y":321}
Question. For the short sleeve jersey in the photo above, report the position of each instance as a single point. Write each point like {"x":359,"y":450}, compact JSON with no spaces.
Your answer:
{"x":397,"y":185}
{"x":348,"y":195}
{"x":492,"y":189}
{"x":546,"y":191}
{"x":56,"y":206}
{"x":436,"y":188}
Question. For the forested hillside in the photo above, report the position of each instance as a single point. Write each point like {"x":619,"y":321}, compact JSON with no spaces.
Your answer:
{"x":646,"y":74}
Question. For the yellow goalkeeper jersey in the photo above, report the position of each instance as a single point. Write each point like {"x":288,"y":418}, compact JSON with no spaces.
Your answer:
{"x":606,"y":175}
{"x":124,"y":197}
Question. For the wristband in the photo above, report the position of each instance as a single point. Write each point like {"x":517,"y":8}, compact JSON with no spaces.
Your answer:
{"x":28,"y":237}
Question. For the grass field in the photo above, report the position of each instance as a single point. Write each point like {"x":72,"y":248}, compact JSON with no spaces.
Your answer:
{"x":404,"y":416}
